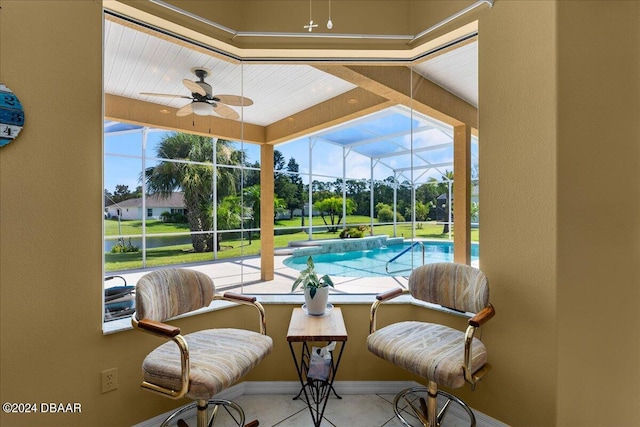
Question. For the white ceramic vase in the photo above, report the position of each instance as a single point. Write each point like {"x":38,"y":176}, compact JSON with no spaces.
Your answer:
{"x":317,"y":305}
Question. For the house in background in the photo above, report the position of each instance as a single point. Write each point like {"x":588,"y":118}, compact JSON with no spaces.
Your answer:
{"x":155,"y":206}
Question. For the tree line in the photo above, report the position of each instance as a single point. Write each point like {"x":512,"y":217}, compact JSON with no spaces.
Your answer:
{"x":238,"y":189}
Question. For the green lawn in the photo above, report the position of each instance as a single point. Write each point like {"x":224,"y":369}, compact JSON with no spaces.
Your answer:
{"x":234,"y":248}
{"x":127,"y":228}
{"x":351,"y":219}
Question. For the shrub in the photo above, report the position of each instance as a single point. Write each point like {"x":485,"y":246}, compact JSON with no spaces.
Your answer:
{"x":174,"y":218}
{"x":386,"y":215}
{"x":380,"y":206}
{"x":122,"y":247}
{"x":354,"y":232}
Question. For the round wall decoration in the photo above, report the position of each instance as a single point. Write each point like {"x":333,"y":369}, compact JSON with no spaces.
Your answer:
{"x":11,"y":116}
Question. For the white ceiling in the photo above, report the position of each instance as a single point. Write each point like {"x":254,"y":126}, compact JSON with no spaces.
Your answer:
{"x":138,"y":62}
{"x":455,"y":70}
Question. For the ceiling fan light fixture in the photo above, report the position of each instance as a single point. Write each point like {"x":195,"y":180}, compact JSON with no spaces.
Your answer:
{"x":203,"y":102}
{"x":202,"y":108}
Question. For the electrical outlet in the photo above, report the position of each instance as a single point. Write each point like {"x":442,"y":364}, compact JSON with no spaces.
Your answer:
{"x":109,"y":380}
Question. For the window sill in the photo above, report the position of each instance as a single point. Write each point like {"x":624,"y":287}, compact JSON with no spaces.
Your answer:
{"x":125,"y":324}
{"x":119,"y":325}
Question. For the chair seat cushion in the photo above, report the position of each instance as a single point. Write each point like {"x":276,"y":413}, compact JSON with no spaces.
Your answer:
{"x":218,"y":359}
{"x":432,"y":351}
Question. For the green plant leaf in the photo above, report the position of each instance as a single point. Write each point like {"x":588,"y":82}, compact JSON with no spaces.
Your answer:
{"x":308,"y":278}
{"x":326,"y":279}
{"x":296,"y":283}
{"x":313,"y":279}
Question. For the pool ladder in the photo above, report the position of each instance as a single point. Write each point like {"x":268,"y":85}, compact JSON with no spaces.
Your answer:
{"x":414,"y":244}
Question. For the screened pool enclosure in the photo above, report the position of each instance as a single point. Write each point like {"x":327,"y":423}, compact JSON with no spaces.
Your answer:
{"x":327,"y":150}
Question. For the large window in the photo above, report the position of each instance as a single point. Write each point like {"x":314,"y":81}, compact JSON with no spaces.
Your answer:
{"x":350,"y":161}
{"x":393,"y":169}
{"x":174,"y":177}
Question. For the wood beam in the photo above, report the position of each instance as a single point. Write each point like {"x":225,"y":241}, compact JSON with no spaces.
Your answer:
{"x":340,"y":109}
{"x":143,"y":113}
{"x":401,"y":85}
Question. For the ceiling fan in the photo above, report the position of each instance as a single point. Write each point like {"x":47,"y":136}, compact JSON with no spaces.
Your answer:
{"x":203,"y":103}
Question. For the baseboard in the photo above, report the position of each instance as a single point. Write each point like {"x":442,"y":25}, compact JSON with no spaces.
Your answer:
{"x":342,"y":388}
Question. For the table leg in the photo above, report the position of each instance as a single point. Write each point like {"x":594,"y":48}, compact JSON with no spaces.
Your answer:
{"x":319,"y":389}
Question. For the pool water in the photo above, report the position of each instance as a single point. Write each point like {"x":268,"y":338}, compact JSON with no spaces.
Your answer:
{"x":373,"y":262}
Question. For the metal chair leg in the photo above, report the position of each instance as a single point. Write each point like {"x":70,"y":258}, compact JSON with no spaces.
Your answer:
{"x":418,"y":407}
{"x":208,"y":412}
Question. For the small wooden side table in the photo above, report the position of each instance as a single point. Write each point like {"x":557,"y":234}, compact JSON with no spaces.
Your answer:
{"x":305,"y":329}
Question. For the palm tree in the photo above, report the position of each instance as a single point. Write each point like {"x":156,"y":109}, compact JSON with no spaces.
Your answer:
{"x":189,"y":168}
{"x":442,"y":187}
{"x":252,"y":202}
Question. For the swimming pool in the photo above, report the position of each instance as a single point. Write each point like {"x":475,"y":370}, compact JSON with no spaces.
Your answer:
{"x":372,"y":262}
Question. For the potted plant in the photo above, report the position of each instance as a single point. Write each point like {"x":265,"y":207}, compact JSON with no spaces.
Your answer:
{"x":316,"y":289}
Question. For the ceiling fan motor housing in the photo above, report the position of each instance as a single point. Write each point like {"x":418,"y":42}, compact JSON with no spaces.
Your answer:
{"x":202,"y":98}
{"x":201,"y":74}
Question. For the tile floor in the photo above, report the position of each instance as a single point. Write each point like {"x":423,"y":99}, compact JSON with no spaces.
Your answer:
{"x":353,"y":410}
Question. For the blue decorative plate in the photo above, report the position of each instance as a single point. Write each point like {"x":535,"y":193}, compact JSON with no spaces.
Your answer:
{"x":11,"y":116}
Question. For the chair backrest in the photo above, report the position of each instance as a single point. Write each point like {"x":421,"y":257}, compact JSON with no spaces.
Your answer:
{"x":167,"y":293}
{"x":451,"y":285}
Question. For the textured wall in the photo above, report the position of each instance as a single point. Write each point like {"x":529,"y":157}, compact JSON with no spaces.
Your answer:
{"x":557,"y":118}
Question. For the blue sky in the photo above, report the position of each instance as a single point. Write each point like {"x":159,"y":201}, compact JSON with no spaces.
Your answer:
{"x":123,"y":162}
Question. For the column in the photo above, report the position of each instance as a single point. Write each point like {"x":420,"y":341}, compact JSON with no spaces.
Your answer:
{"x":266,"y":212}
{"x":462,"y":194}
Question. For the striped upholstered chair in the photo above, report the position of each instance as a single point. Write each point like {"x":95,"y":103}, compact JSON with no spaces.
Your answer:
{"x":201,"y":364}
{"x":442,"y":355}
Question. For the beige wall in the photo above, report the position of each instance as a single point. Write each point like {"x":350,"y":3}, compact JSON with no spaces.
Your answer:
{"x":598,"y":193}
{"x":559,"y":114}
{"x":517,"y":151}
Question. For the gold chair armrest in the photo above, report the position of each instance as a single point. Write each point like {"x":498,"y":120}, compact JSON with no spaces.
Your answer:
{"x":168,"y":332}
{"x":476,"y":321}
{"x":380,"y":298}
{"x":246,"y":300}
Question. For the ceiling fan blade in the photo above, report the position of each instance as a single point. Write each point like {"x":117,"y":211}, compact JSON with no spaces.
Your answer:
{"x":167,"y":95}
{"x":234,"y":100}
{"x":194,"y":87}
{"x":226,"y":112}
{"x":185,"y":111}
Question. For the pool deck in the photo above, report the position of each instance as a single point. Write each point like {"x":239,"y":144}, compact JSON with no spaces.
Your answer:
{"x":227,"y":275}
